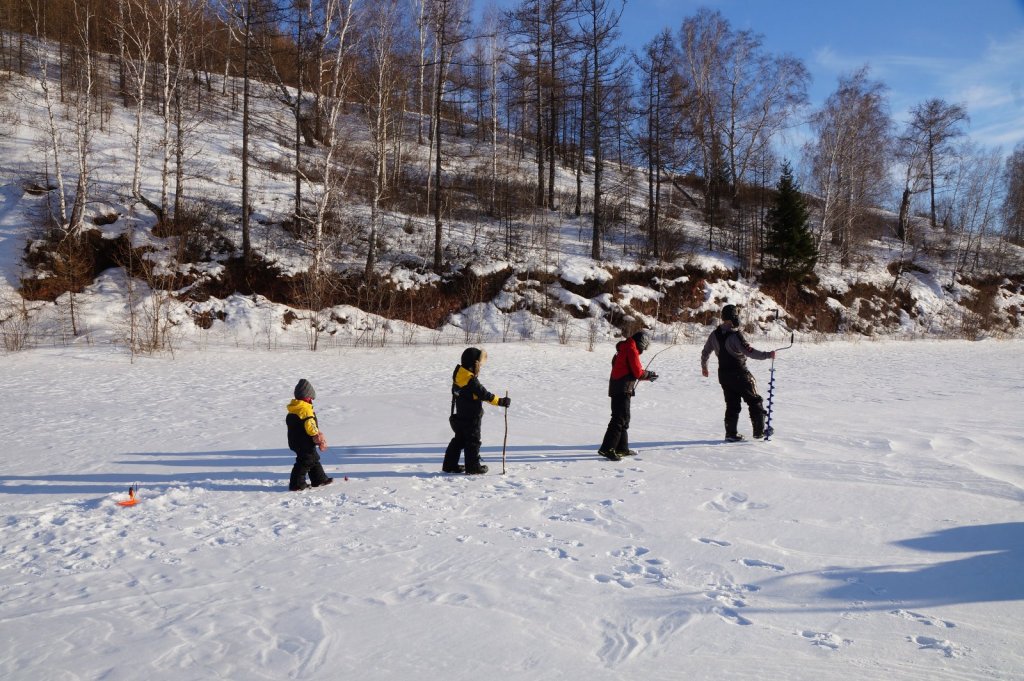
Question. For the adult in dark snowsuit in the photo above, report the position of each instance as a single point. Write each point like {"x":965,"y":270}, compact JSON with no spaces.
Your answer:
{"x":732,"y":350}
{"x":468,"y":397}
{"x":626,"y":371}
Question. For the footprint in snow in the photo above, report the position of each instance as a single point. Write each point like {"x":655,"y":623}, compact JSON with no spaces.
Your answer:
{"x":945,"y":647}
{"x":638,"y":565}
{"x":714,"y":542}
{"x":926,"y":620}
{"x":825,"y":639}
{"x":732,"y":617}
{"x":753,"y":562}
{"x":727,"y":502}
{"x":727,"y":598}
{"x":556,"y":553}
{"x":617,"y":579}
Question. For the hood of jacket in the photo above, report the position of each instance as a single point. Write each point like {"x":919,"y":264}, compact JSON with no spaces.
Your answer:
{"x":462,"y":376}
{"x":300,"y":408}
{"x":622,"y":343}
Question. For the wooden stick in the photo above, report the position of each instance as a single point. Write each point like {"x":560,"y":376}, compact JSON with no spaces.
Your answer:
{"x":505,"y":441}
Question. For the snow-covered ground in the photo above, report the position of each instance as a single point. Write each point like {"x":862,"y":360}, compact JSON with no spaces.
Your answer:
{"x":877,"y":536}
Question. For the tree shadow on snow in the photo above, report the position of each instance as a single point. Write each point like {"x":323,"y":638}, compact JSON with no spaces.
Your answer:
{"x":995,"y":573}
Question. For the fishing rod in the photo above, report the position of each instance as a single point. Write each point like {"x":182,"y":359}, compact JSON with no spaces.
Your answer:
{"x":504,"y":443}
{"x":656,"y":356}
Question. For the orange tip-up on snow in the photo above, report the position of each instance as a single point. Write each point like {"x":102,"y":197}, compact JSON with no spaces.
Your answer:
{"x":132,"y":496}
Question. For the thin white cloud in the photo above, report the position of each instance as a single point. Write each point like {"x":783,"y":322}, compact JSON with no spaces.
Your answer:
{"x":983,"y":97}
{"x":883,"y":66}
{"x":1005,"y":133}
{"x":992,"y":89}
{"x":991,"y":86}
{"x":1000,"y":67}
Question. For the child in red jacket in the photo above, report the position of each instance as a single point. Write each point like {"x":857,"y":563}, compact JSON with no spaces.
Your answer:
{"x":626,"y":371}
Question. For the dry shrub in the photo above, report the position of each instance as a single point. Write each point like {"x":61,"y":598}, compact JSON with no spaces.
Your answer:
{"x":15,"y":324}
{"x":68,"y":263}
{"x":199,"y":230}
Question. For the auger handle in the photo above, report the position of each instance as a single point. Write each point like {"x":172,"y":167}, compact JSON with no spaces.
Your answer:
{"x":792,"y":334}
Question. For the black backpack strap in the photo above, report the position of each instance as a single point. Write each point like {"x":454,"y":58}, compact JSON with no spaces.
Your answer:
{"x":455,"y":373}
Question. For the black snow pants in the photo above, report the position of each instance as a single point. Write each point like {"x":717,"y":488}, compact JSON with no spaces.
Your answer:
{"x":738,"y":388}
{"x":616,"y":437}
{"x":467,"y":438}
{"x":307,"y":461}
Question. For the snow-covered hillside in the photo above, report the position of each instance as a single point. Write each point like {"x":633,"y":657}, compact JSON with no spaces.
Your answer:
{"x":547,"y":287}
{"x":877,"y":537}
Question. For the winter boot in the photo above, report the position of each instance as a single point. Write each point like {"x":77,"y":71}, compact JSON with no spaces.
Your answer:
{"x":609,"y":454}
{"x":326,"y":481}
{"x":627,"y":452}
{"x":735,"y":437}
{"x":479,"y":470}
{"x":757,"y":422}
{"x":297,"y":480}
{"x":459,"y":468}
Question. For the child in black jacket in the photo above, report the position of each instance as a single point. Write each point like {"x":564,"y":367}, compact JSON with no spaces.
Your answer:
{"x":304,"y":438}
{"x":468,"y":397}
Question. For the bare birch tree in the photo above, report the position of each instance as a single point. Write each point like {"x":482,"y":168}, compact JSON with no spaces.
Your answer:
{"x":447,"y":20}
{"x":660,"y":105}
{"x":135,"y":33}
{"x":971,"y":209}
{"x":336,"y":19}
{"x":170,"y":27}
{"x":54,"y":132}
{"x":935,"y":124}
{"x":703,"y":38}
{"x":495,"y":48}
{"x":83,"y":78}
{"x":382,"y":35}
{"x":848,"y":159}
{"x":1013,"y":203}
{"x":764,"y":93}
{"x":598,"y":34}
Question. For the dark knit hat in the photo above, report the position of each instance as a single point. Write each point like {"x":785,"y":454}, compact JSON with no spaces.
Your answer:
{"x":470,"y":356}
{"x":642,"y":340}
{"x":731,"y":314}
{"x":304,"y":390}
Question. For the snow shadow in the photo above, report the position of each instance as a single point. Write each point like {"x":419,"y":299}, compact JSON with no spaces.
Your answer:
{"x":680,"y":444}
{"x":223,"y":471}
{"x":263,"y":470}
{"x":996,"y":573}
{"x":259,"y":470}
{"x":433,"y":452}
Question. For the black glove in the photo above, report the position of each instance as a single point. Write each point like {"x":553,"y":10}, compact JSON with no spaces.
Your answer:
{"x":504,"y":401}
{"x":651,"y":376}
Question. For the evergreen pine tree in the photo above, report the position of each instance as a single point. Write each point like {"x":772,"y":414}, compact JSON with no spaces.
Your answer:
{"x":790,"y":246}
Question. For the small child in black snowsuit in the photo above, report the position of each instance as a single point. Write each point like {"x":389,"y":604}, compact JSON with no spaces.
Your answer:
{"x":468,"y":397}
{"x":304,"y":438}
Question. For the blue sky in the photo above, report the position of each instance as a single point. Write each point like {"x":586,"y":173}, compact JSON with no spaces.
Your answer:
{"x":969,"y":52}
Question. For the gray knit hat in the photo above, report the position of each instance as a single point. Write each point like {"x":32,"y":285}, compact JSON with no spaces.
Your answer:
{"x":642,"y":340}
{"x":304,"y":390}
